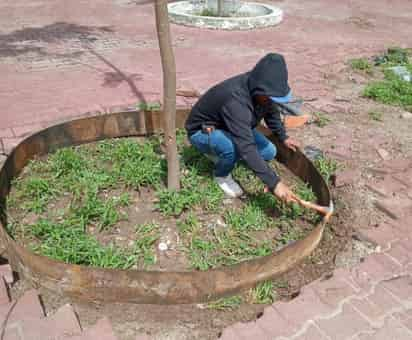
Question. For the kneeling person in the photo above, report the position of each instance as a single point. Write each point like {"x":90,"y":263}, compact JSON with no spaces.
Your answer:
{"x":223,"y":124}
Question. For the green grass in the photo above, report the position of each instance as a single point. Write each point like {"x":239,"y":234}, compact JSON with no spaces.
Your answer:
{"x":392,"y":90}
{"x":293,"y":211}
{"x":35,"y":192}
{"x":67,"y":242}
{"x":150,"y":106}
{"x":225,"y":247}
{"x":288,"y":232}
{"x":95,"y":182}
{"x":263,"y":293}
{"x":228,"y":303}
{"x":189,"y":225}
{"x":394,"y":56}
{"x":361,"y":64}
{"x":197,"y":187}
{"x":376,"y":115}
{"x":321,"y":119}
{"x":250,"y":217}
{"x":147,"y":235}
{"x":326,"y":166}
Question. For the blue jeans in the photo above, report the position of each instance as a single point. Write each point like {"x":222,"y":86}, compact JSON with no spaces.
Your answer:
{"x":219,"y":143}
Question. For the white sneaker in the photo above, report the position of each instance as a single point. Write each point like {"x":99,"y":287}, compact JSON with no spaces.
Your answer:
{"x":229,"y":186}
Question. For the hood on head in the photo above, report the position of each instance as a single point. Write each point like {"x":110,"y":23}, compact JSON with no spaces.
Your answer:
{"x":269,"y":77}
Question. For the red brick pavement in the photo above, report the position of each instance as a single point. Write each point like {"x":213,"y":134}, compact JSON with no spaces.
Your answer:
{"x":24,"y":319}
{"x":372,"y":300}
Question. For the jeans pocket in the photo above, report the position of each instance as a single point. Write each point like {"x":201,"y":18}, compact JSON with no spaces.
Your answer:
{"x":201,"y":141}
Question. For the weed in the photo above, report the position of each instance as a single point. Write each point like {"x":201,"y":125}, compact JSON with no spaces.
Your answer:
{"x":327,"y":167}
{"x":189,"y":225}
{"x":392,"y":90}
{"x":228,"y":303}
{"x":36,"y":193}
{"x":263,"y":293}
{"x":289,"y":233}
{"x":67,"y":242}
{"x":150,"y":106}
{"x":173,"y":203}
{"x":321,"y":119}
{"x":201,"y":253}
{"x":361,"y":64}
{"x":147,"y":235}
{"x":250,"y":217}
{"x":124,"y":199}
{"x":376,"y":115}
{"x":393,"y":56}
{"x":138,"y":164}
{"x":294,"y":210}
{"x":66,"y":161}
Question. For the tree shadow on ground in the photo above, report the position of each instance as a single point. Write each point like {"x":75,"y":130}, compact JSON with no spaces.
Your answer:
{"x":34,"y":39}
{"x":117,"y":76}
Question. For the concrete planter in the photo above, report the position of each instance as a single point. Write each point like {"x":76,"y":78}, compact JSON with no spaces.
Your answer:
{"x":250,"y":15}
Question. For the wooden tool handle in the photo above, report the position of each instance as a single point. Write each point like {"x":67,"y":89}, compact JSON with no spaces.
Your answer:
{"x":323,"y":210}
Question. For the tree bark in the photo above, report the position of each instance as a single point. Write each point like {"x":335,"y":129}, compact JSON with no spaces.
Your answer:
{"x":169,"y":92}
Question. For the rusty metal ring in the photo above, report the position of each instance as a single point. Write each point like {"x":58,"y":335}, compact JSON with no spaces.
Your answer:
{"x":137,"y":286}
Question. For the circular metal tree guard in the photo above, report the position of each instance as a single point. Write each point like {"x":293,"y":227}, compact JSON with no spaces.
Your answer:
{"x":138,"y":286}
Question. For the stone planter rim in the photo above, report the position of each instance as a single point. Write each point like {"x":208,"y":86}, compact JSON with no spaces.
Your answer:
{"x":208,"y":21}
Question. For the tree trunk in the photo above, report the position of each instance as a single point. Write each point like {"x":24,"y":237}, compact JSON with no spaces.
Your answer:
{"x":169,"y":92}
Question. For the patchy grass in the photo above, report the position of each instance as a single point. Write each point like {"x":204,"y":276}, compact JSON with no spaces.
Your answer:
{"x":263,"y":293}
{"x":376,"y":116}
{"x":228,"y":303}
{"x":321,"y":119}
{"x":361,"y":64}
{"x":149,"y":106}
{"x":326,"y":166}
{"x":394,"y":56}
{"x":146,"y":237}
{"x":67,"y":242}
{"x":393,"y":89}
{"x":95,"y":183}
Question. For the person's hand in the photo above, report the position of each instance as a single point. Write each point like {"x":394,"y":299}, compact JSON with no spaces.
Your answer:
{"x":283,"y":192}
{"x":291,"y":143}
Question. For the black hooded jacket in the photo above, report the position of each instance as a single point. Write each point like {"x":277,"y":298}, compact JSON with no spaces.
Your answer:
{"x":229,"y":106}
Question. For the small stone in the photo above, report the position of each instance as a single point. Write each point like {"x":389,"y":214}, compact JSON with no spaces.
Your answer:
{"x":227,"y":201}
{"x":383,"y":154}
{"x":406,"y":115}
{"x":220,"y":223}
{"x":163,"y":246}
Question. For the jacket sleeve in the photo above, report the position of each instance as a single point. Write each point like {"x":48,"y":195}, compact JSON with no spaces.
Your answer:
{"x":274,"y":123}
{"x":237,"y":118}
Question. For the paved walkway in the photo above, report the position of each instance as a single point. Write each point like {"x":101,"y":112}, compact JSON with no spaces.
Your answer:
{"x":24,"y":319}
{"x":371,"y":301}
{"x":64,"y":59}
